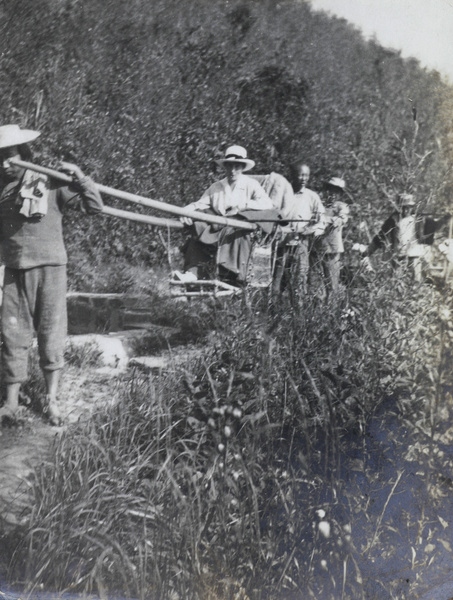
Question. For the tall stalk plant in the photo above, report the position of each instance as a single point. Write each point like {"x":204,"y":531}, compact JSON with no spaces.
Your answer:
{"x":231,"y":476}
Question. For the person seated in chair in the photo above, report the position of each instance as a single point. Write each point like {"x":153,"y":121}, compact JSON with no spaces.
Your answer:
{"x":237,"y":195}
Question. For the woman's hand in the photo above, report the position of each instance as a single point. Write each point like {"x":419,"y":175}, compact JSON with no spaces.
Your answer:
{"x":186,"y":220}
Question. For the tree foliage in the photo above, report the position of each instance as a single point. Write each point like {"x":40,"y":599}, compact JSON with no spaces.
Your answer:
{"x":143,"y":95}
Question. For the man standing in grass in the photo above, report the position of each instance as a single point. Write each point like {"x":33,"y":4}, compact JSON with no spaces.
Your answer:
{"x":305,"y":212}
{"x":34,"y":255}
{"x":331,"y":244}
{"x":408,"y":236}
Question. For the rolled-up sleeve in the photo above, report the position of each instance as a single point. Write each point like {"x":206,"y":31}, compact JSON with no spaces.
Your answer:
{"x":259,"y":200}
{"x":90,"y":196}
{"x":204,"y":203}
{"x":84,"y":191}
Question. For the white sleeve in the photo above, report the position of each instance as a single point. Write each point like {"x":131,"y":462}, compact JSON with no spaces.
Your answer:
{"x":202,"y":204}
{"x":259,"y":199}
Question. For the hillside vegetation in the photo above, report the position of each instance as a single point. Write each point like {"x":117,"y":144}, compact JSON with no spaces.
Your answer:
{"x":144,"y":95}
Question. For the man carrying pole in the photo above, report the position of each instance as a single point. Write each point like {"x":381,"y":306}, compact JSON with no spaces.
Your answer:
{"x":34,"y":255}
{"x":306,"y":215}
{"x":409,"y":237}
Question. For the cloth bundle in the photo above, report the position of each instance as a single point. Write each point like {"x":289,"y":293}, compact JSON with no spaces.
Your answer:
{"x":33,"y":195}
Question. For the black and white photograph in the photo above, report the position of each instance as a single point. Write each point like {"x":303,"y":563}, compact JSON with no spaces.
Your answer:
{"x":226,"y":289}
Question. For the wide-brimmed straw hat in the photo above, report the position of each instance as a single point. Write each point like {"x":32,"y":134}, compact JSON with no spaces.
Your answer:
{"x":13,"y":135}
{"x":337,"y":182}
{"x":237,"y":154}
{"x":407,"y":200}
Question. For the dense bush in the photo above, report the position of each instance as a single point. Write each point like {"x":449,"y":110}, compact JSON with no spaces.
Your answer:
{"x":143,"y":95}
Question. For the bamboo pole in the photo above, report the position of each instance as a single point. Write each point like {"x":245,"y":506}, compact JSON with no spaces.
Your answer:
{"x":448,"y":263}
{"x":131,"y":216}
{"x":157,"y":204}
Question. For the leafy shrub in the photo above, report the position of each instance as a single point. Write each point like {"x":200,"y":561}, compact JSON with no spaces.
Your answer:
{"x":137,"y":98}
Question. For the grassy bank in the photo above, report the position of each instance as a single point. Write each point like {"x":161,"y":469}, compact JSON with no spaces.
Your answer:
{"x":236,"y":477}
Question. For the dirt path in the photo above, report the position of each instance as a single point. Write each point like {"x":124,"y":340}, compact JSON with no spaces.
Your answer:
{"x":25,"y":446}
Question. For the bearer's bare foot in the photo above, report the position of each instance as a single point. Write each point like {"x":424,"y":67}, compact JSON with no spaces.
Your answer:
{"x":51,"y":411}
{"x":11,"y":414}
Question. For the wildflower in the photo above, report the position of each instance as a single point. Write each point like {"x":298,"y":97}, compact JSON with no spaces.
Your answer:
{"x":444,"y":314}
{"x":237,"y":412}
{"x":324,"y":528}
{"x":211,"y":422}
{"x":359,"y":247}
{"x":227,"y":431}
{"x":348,"y":314}
{"x":321,"y":513}
{"x":221,"y":447}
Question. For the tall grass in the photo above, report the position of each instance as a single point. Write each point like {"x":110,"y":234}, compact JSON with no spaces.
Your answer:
{"x":229,"y":479}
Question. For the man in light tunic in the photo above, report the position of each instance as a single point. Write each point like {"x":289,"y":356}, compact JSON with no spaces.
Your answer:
{"x":331,"y":243}
{"x":305,"y":213}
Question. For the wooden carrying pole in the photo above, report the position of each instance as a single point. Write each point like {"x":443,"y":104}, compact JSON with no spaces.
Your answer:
{"x":157,"y":204}
{"x":131,"y":216}
{"x":448,"y":264}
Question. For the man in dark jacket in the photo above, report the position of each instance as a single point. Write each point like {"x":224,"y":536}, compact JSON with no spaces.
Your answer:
{"x":34,"y":255}
{"x":407,"y":235}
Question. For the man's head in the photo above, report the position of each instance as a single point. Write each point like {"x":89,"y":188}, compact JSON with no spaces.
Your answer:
{"x":407,"y":204}
{"x":14,"y":144}
{"x":10,"y":170}
{"x":235,"y":162}
{"x":300,"y":175}
{"x":335,"y":189}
